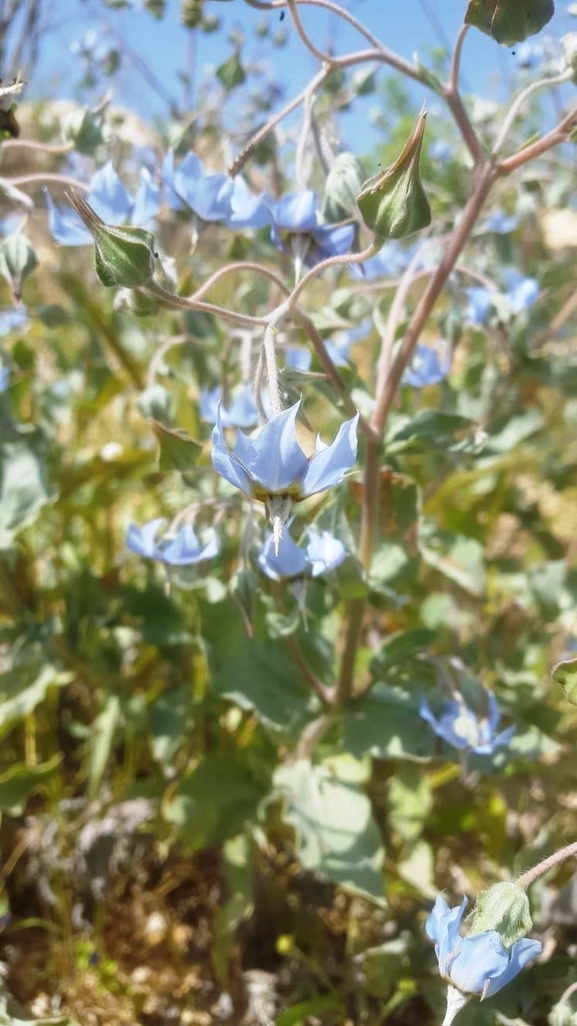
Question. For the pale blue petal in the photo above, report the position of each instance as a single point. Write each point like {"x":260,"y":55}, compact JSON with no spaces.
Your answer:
{"x":142,"y":540}
{"x":175,"y":202}
{"x":442,"y":927}
{"x":324,"y":552}
{"x":108,"y":197}
{"x":428,"y":367}
{"x":4,"y":379}
{"x":65,"y":226}
{"x":185,"y":549}
{"x":501,"y":223}
{"x":522,"y":952}
{"x":331,"y":241}
{"x":478,"y":959}
{"x":299,"y":359}
{"x":12,"y":319}
{"x":209,"y":196}
{"x":290,"y":562}
{"x":494,"y":712}
{"x":328,"y":465}
{"x":479,"y":306}
{"x":147,"y":199}
{"x":227,"y":463}
{"x":296,"y":212}
{"x":248,"y":211}
{"x":278,"y":461}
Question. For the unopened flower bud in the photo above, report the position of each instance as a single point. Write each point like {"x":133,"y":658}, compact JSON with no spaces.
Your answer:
{"x":123,"y":256}
{"x":504,"y":907}
{"x":343,"y":184}
{"x":393,"y":202}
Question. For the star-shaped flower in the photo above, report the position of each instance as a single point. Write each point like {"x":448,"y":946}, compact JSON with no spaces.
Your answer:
{"x":464,"y":729}
{"x":297,"y":229}
{"x":474,"y":966}
{"x":274,"y":469}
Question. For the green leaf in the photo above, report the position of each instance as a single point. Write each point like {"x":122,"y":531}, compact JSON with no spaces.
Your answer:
{"x":18,"y":699}
{"x":23,"y":485}
{"x":400,"y":647}
{"x":169,"y":723}
{"x":509,"y":21}
{"x":215,"y":802}
{"x":336,"y":834}
{"x":386,"y":724}
{"x":177,"y":450}
{"x":565,"y":674}
{"x":301,"y":1014}
{"x":20,"y":781}
{"x":410,"y":801}
{"x":430,"y":429}
{"x":231,"y":74}
{"x":255,"y":672}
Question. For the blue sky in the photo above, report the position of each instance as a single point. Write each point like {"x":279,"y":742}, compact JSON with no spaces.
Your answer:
{"x":165,"y":46}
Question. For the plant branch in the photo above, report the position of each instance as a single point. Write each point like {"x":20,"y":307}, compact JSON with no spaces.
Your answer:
{"x":528,"y":878}
{"x":182,"y":303}
{"x":519,"y":103}
{"x":555,"y":137}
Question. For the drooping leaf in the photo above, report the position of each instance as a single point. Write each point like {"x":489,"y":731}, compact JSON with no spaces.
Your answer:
{"x":509,"y":21}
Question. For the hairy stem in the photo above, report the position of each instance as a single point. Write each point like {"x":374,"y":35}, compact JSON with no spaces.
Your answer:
{"x":528,"y":878}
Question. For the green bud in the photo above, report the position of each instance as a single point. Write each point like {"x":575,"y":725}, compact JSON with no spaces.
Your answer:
{"x":17,"y":261}
{"x":343,"y":184}
{"x":191,"y":13}
{"x":393,"y":202}
{"x":123,"y":256}
{"x":504,"y":907}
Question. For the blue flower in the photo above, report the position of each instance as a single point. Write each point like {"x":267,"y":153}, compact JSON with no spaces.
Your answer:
{"x":322,"y":553}
{"x":478,"y":966}
{"x":241,"y":411}
{"x":392,"y":259}
{"x":464,"y":729}
{"x":521,"y":292}
{"x":111,"y":201}
{"x":273,"y":464}
{"x":479,"y":306}
{"x":501,"y":223}
{"x":4,"y":379}
{"x":183,"y":549}
{"x":212,"y":197}
{"x":297,"y":229}
{"x":12,"y":319}
{"x":428,"y":366}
